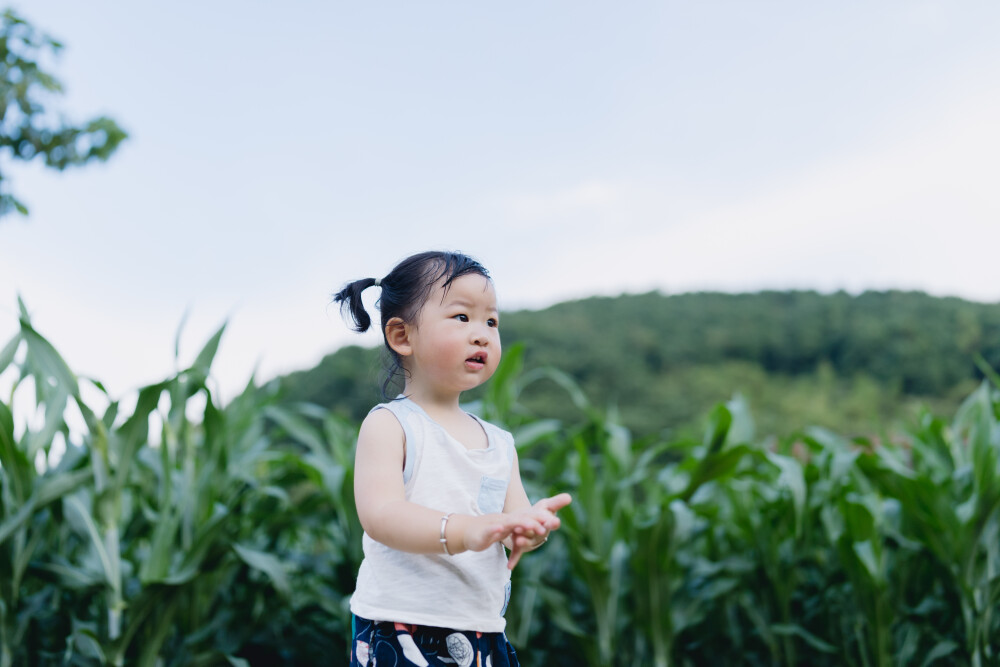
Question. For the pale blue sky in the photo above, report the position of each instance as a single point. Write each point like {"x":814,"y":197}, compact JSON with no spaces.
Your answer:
{"x":279,"y":150}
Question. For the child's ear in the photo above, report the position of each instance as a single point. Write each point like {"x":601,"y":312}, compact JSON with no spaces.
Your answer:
{"x":397,"y":334}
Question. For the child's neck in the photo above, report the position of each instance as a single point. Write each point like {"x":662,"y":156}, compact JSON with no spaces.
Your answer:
{"x":433,"y":403}
{"x":446,"y":412}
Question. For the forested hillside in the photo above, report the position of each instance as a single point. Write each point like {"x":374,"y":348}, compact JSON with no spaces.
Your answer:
{"x":854,"y":363}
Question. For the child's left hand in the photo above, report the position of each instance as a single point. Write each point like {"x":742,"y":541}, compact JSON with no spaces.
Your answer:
{"x":539,"y":520}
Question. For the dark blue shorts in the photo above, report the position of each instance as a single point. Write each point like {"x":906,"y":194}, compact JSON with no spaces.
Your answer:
{"x":388,"y":644}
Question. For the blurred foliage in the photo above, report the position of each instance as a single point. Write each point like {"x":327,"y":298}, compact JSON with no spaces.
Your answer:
{"x":29,"y":127}
{"x":168,"y":529}
{"x":172,"y":530}
{"x":858,"y":364}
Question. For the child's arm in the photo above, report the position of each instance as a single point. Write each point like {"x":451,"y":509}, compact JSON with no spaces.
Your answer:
{"x":526,"y":539}
{"x":389,"y":518}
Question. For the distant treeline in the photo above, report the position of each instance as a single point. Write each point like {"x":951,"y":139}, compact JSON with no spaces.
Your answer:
{"x":854,"y":363}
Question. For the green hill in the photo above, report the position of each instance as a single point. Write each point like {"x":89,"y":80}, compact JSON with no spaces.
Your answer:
{"x":854,"y":363}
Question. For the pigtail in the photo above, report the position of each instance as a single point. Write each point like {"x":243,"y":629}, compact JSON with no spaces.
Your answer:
{"x":350,"y":302}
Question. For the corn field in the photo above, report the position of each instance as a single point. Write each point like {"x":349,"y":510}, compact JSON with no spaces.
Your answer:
{"x":170,"y":529}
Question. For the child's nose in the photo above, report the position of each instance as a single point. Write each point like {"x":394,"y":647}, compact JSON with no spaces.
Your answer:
{"x":481,"y":336}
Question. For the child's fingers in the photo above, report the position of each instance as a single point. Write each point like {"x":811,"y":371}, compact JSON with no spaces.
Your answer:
{"x":523,"y":527}
{"x":520,"y":545}
{"x":555,"y":503}
{"x":478,"y":538}
{"x":528,"y":523}
{"x":545,"y":518}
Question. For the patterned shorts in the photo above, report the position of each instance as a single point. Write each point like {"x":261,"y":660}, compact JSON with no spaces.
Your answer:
{"x":388,"y":644}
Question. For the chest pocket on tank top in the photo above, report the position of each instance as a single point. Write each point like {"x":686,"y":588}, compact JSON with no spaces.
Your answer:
{"x":492,"y":494}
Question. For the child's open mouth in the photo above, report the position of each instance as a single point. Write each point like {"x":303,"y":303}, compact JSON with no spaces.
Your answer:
{"x":476,"y":361}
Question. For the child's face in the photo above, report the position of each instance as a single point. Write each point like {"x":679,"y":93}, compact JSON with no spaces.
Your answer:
{"x":456,"y":341}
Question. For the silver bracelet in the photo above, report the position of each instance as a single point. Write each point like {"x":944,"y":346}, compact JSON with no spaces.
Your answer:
{"x":444,"y":524}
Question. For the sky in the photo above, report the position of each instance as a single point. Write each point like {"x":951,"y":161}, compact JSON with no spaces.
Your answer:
{"x":280,"y":150}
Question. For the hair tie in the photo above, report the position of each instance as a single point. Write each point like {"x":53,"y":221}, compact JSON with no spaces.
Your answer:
{"x":378,"y":282}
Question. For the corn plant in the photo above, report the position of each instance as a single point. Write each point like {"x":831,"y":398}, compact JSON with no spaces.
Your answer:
{"x":741,"y":551}
{"x":948,"y":497}
{"x":170,"y":534}
{"x":32,"y":493}
{"x":169,"y":529}
{"x":625,"y":531}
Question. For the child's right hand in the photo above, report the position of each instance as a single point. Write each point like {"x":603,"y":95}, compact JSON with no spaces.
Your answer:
{"x":540,"y":519}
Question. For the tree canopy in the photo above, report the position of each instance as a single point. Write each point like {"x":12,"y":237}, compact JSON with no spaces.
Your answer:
{"x":30,"y":128}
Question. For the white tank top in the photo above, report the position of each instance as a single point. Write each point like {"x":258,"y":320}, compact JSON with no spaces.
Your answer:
{"x":467,"y":591}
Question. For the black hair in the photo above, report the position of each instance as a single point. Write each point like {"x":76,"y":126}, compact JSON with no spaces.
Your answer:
{"x":404,"y":291}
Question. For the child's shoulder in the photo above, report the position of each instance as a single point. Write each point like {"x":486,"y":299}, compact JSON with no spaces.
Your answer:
{"x":381,"y":423}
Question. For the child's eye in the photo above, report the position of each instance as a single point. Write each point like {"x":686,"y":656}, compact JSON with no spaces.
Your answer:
{"x":462,"y":317}
{"x":492,"y":323}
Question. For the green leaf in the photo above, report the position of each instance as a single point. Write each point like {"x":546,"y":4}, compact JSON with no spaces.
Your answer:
{"x":983,"y":365}
{"x":203,"y":363}
{"x":107,"y":563}
{"x":150,"y":651}
{"x":41,"y":439}
{"x":858,"y":519}
{"x":48,"y":490}
{"x":12,"y":459}
{"x":180,"y":330}
{"x":22,"y":310}
{"x":296,"y":427}
{"x":714,"y":466}
{"x":209,"y":536}
{"x":565,"y":382}
{"x":502,"y":391}
{"x":718,"y":427}
{"x":943,"y":648}
{"x":87,"y":642}
{"x":560,"y":613}
{"x":71,"y":576}
{"x":9,"y":351}
{"x":793,"y":479}
{"x":865,"y":552}
{"x":43,"y":361}
{"x":684,"y":521}
{"x":793,"y":629}
{"x":742,"y":427}
{"x":266,"y":563}
{"x":535,"y":431}
{"x":155,"y":567}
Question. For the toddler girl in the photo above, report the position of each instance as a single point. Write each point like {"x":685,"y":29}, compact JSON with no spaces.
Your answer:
{"x":438,"y":490}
